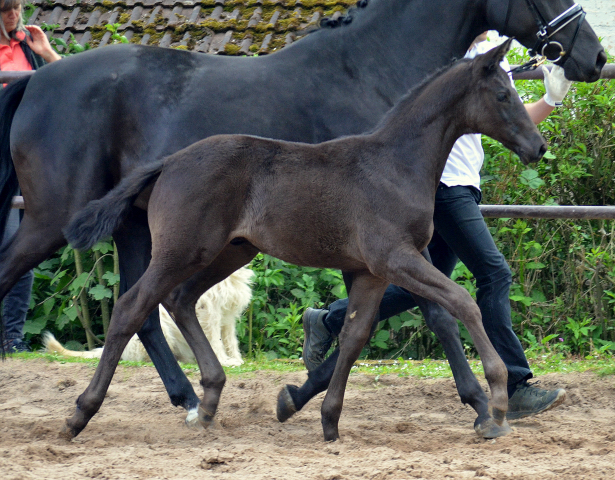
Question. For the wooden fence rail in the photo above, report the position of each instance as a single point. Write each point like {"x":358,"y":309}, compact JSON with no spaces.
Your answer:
{"x":515,"y":211}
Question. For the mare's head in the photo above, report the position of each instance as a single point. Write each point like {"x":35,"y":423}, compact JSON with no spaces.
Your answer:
{"x":494,"y":108}
{"x":554,"y":28}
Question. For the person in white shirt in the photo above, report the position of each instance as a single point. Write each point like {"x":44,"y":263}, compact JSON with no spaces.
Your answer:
{"x":460,"y":232}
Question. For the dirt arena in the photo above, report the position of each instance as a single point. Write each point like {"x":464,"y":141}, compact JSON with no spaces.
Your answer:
{"x":392,"y":428}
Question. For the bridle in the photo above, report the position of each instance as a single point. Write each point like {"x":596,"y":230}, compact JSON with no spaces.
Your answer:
{"x":545,"y":48}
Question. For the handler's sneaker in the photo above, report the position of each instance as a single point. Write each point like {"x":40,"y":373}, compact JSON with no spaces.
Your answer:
{"x":529,"y":400}
{"x":316,"y":337}
{"x":17,"y":346}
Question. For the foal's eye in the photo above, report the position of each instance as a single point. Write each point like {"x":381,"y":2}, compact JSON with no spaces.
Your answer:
{"x":502,"y":96}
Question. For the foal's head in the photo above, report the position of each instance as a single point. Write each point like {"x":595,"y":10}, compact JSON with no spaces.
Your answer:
{"x":493,"y":107}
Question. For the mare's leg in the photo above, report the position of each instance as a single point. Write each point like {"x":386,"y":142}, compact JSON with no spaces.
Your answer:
{"x":409,"y":269}
{"x":129,"y":315}
{"x":134,"y":245}
{"x":181,"y":302}
{"x":33,"y":243}
{"x":364,"y":298}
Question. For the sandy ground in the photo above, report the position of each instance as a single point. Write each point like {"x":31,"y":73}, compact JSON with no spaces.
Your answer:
{"x":393,"y":428}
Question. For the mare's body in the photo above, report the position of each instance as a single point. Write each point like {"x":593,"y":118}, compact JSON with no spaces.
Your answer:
{"x":375,"y":194}
{"x":77,"y":127}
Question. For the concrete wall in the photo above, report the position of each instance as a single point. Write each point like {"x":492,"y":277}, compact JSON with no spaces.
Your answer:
{"x":601,"y":16}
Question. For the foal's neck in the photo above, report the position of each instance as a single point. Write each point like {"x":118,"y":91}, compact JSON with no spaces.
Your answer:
{"x":420,"y":131}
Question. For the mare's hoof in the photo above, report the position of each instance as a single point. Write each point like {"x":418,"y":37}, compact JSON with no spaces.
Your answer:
{"x":489,"y":429}
{"x":192,"y":419}
{"x":286,"y":405}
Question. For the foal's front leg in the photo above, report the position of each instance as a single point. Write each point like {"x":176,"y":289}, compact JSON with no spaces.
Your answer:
{"x":363,"y":301}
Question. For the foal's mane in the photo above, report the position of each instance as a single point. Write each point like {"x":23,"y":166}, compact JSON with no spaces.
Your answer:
{"x":416,"y":91}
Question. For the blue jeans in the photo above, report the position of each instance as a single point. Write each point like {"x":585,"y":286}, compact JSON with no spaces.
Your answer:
{"x":461,"y":233}
{"x":17,"y":300}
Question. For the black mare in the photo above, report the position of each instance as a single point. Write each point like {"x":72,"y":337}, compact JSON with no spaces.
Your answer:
{"x":123,"y":106}
{"x":216,"y":203}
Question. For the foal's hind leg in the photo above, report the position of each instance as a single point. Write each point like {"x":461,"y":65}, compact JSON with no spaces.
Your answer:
{"x":364,"y":298}
{"x":128,"y":317}
{"x":181,"y":303}
{"x":445,"y":327}
{"x":407,"y":268}
{"x":134,"y":245}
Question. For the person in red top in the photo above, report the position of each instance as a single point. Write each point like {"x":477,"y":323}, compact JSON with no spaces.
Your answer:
{"x":21,"y":48}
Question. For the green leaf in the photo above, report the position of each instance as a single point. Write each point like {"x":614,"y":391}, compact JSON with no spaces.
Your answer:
{"x":111,"y":278}
{"x":71,"y":312}
{"x":395,"y":323}
{"x":35,"y":326}
{"x":62,"y":321}
{"x":535,"y":265}
{"x":382,"y":336}
{"x":99,"y":292}
{"x":48,"y":305}
{"x":298,"y":293}
{"x":79,"y":282}
{"x":527,"y":301}
{"x":103,"y":247}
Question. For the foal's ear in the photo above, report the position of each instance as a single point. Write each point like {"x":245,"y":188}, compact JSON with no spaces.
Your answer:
{"x":494,"y":56}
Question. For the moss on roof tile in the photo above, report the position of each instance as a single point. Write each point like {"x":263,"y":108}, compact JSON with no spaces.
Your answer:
{"x":235,"y":16}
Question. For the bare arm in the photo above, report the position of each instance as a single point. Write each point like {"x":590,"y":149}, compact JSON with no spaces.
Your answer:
{"x":539,"y":110}
{"x":40,"y":45}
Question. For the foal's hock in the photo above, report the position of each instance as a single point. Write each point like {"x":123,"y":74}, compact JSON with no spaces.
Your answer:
{"x":370,"y":197}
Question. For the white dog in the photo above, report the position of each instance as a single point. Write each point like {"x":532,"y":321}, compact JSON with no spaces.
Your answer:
{"x":217,"y":311}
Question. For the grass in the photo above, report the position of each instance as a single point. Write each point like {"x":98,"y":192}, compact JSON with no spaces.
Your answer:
{"x":603,"y":365}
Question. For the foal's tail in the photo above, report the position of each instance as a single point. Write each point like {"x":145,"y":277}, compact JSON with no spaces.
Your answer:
{"x":10,"y":98}
{"x":100,"y":218}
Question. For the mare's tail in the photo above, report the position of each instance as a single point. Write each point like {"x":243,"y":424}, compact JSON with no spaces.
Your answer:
{"x":100,"y":218}
{"x":10,"y":98}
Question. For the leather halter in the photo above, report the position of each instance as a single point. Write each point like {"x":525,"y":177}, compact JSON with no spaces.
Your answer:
{"x":544,"y":44}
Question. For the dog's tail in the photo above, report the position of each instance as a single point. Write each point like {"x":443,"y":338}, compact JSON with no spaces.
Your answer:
{"x":100,"y":218}
{"x":53,"y":346}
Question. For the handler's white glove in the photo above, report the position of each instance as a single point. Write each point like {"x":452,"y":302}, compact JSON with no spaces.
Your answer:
{"x":556,"y":85}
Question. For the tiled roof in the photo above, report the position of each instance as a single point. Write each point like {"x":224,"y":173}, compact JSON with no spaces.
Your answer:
{"x":231,"y":27}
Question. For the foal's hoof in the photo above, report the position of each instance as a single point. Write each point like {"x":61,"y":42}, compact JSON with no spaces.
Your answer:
{"x":489,"y":429}
{"x":286,"y":406}
{"x":205,"y":418}
{"x":67,"y":433}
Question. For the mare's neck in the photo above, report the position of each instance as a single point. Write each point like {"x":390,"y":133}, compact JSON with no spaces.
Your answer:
{"x":391,"y":45}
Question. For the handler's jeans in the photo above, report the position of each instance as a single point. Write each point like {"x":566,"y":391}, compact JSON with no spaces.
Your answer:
{"x":461,"y":232}
{"x":17,"y":300}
